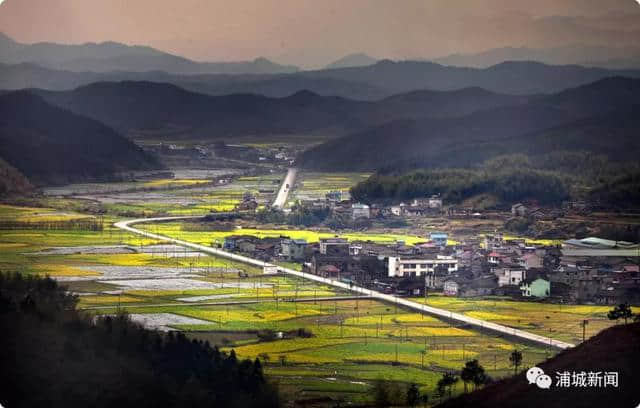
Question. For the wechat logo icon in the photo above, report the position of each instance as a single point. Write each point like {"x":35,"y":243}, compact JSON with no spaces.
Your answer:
{"x":536,"y":376}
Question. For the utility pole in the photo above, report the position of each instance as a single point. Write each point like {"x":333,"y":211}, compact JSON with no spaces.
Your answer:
{"x":396,"y":353}
{"x":584,"y":329}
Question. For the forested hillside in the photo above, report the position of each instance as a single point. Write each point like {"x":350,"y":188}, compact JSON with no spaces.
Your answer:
{"x":548,"y":179}
{"x":50,"y":145}
{"x":148,"y":109}
{"x":12,"y":181}
{"x":601,"y":117}
{"x":55,"y":356}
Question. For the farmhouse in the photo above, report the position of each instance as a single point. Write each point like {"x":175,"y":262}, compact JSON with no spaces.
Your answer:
{"x":333,"y":196}
{"x":434,"y":202}
{"x":529,"y":261}
{"x":462,"y":287}
{"x":450,"y":288}
{"x":519,"y":210}
{"x":360,"y":211}
{"x":493,"y":258}
{"x":293,"y":249}
{"x":360,"y":268}
{"x":539,"y":287}
{"x":493,"y":241}
{"x":509,"y":276}
{"x":411,"y":287}
{"x":439,"y":238}
{"x":334,"y":246}
{"x":411,"y":211}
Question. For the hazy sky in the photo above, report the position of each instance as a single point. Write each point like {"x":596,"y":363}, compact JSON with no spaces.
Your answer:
{"x":313,"y":32}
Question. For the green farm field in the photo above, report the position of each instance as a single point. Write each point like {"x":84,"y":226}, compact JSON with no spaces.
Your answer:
{"x":347,"y":344}
{"x":177,"y":230}
{"x":558,"y":321}
{"x":353,"y":342}
{"x":312,"y":186}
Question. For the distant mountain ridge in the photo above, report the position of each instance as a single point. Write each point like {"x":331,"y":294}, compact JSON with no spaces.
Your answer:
{"x":112,"y":56}
{"x":141,"y":109}
{"x":383,"y":79}
{"x":602,"y":117}
{"x":50,"y":145}
{"x":352,"y":60}
{"x":512,"y":77}
{"x":585,"y":55}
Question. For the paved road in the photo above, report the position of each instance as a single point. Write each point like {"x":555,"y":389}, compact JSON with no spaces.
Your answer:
{"x":478,"y":323}
{"x":285,"y":188}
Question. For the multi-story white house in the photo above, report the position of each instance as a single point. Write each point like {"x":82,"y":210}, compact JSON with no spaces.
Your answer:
{"x":406,"y":267}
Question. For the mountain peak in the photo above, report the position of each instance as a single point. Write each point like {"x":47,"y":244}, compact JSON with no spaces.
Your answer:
{"x":304,"y":95}
{"x":352,"y":60}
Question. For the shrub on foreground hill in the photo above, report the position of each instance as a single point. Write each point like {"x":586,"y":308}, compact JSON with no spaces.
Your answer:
{"x":53,"y":355}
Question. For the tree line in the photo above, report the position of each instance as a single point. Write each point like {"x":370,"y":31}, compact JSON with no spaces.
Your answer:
{"x":456,"y":185}
{"x":548,"y":178}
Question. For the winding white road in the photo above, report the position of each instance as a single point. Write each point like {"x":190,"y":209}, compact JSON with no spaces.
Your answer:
{"x":478,"y":323}
{"x":285,"y":188}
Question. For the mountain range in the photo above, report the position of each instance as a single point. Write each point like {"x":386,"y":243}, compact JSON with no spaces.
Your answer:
{"x":147,"y":109}
{"x":112,"y":56}
{"x":352,"y":60}
{"x":585,"y":55}
{"x":600,"y":117}
{"x":517,"y":77}
{"x":373,"y":82}
{"x":50,"y":145}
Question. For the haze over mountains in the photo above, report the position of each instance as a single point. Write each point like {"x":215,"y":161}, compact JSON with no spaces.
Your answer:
{"x":353,"y":60}
{"x":391,"y":115}
{"x":49,"y":66}
{"x":592,"y":56}
{"x":112,"y":56}
{"x":380,"y":80}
